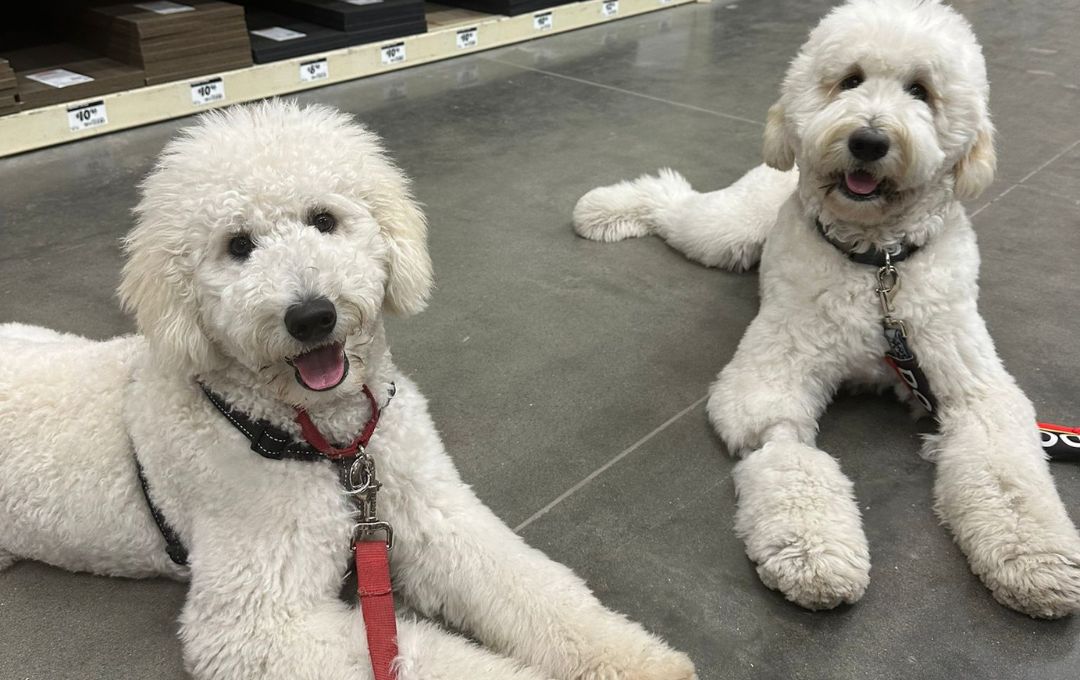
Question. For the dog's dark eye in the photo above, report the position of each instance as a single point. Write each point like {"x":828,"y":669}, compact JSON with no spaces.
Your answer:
{"x":324,"y":222}
{"x":240,"y":246}
{"x":918,"y":91}
{"x":851,"y":82}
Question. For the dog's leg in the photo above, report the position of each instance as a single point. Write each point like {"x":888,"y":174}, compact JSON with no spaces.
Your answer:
{"x":993,"y":487}
{"x":427,"y":652}
{"x":725,"y":228}
{"x":796,"y":510}
{"x":6,"y":560}
{"x":455,"y":559}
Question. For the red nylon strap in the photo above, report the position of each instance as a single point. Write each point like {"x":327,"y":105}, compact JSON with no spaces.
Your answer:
{"x":1060,"y":429}
{"x":315,"y":438}
{"x":377,"y":604}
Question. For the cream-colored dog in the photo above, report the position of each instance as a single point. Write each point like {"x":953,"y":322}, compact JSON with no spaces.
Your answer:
{"x":884,"y":110}
{"x":270,"y":241}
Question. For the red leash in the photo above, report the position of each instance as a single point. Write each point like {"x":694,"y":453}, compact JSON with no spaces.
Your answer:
{"x":377,"y":604}
{"x":372,"y":555}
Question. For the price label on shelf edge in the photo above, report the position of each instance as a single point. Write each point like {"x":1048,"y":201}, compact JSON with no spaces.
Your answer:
{"x":609,"y":8}
{"x":207,"y":92}
{"x":466,"y":38}
{"x":543,"y":21}
{"x":393,"y":54}
{"x":318,"y":69}
{"x":86,"y":116}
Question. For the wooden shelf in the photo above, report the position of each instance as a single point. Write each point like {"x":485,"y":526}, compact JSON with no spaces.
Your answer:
{"x":451,"y":33}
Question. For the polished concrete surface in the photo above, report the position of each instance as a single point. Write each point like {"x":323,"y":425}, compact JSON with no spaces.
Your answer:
{"x":568,"y":377}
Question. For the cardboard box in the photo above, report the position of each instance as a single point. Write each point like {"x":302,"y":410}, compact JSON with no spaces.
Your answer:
{"x":62,"y":72}
{"x":170,"y":40}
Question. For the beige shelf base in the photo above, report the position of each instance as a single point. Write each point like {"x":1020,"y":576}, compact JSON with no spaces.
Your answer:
{"x":447,"y":37}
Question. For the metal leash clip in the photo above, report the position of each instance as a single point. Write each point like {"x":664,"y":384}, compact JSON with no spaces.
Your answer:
{"x":888,"y":278}
{"x":363,"y":486}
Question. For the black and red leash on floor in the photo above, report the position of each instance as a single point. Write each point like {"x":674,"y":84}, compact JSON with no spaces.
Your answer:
{"x":1060,"y":442}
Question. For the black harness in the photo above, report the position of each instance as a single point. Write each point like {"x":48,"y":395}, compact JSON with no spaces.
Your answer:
{"x":266,"y":440}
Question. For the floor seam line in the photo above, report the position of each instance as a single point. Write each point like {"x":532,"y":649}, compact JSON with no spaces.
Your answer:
{"x":608,"y":465}
{"x":632,"y":93}
{"x":1025,"y":178}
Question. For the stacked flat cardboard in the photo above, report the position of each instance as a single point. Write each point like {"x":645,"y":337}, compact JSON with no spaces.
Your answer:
{"x":170,"y":40}
{"x":507,"y":7}
{"x":61,"y":72}
{"x":9,"y":102}
{"x":298,"y":27}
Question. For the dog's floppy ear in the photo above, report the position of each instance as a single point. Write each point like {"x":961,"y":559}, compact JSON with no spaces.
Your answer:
{"x":778,"y":150}
{"x":403,"y":224}
{"x":975,"y":171}
{"x":156,"y":287}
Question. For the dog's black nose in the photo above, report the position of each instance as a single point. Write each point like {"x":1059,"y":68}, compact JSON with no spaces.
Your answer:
{"x":312,"y":320}
{"x":868,"y":144}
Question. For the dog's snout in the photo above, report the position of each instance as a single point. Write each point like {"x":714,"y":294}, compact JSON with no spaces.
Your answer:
{"x":868,"y":144}
{"x":312,"y":320}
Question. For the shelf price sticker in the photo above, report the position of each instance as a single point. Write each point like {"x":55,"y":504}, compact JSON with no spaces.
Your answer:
{"x":314,"y":70}
{"x":86,"y":116}
{"x":543,"y":21}
{"x":466,"y":38}
{"x":207,"y":92}
{"x":393,"y":54}
{"x":609,"y":9}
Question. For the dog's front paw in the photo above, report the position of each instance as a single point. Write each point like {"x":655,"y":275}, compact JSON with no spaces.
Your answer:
{"x":1044,"y":585}
{"x":814,"y":575}
{"x":798,"y":517}
{"x":653,"y":662}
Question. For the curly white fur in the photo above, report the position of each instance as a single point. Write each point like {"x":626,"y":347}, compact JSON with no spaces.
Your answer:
{"x":820,"y":322}
{"x":269,"y":539}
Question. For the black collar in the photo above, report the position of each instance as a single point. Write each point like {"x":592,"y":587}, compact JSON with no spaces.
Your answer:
{"x":875,"y":257}
{"x":266,"y":440}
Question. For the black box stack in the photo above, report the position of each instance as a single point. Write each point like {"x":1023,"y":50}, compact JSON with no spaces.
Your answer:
{"x":311,"y":26}
{"x":507,"y":7}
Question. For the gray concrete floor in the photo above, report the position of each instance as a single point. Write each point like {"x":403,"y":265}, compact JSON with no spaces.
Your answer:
{"x":568,"y":377}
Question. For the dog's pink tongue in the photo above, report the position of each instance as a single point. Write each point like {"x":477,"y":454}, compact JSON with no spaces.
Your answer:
{"x":321,"y":368}
{"x":861,"y":183}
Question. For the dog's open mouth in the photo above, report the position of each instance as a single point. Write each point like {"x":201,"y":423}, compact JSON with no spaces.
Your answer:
{"x":860,"y":185}
{"x":322,"y":368}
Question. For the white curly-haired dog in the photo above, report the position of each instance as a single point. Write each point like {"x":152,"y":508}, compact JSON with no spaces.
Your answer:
{"x":270,"y":241}
{"x":884,"y":111}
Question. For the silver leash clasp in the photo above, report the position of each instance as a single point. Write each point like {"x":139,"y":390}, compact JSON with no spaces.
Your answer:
{"x":888,"y":278}
{"x":362,"y":486}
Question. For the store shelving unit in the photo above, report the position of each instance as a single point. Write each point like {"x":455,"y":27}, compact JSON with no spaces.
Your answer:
{"x":451,"y":33}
